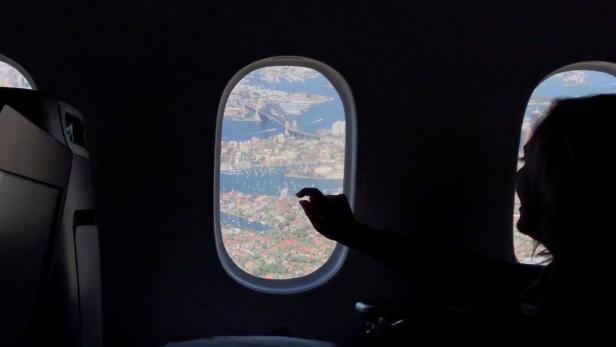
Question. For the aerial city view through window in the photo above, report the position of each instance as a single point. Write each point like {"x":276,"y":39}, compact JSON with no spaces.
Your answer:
{"x":574,"y":83}
{"x":11,"y":77}
{"x":283,"y":129}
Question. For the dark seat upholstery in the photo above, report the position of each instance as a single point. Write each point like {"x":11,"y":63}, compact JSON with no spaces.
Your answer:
{"x":49,"y":252}
{"x":252,"y":341}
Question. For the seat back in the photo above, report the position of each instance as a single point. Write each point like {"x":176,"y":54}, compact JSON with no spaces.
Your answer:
{"x":49,"y":249}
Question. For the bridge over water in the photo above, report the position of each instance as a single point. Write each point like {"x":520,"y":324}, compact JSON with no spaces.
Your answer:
{"x":276,"y":114}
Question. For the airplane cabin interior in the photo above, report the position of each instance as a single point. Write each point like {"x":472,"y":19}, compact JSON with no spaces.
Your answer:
{"x":323,"y":173}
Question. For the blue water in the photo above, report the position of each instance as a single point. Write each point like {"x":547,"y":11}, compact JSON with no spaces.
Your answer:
{"x":554,"y":87}
{"x":596,"y":82}
{"x":273,"y":181}
{"x":320,"y":116}
{"x":242,"y":223}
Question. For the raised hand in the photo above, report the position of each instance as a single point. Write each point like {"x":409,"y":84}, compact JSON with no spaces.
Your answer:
{"x":330,"y":215}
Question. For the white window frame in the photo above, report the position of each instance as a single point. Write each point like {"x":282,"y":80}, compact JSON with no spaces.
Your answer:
{"x":336,"y":260}
{"x":18,"y":67}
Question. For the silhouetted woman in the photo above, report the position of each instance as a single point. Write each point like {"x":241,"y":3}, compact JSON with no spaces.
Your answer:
{"x":566,"y":195}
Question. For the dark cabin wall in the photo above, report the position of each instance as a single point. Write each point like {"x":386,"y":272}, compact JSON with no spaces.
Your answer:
{"x":440,"y":88}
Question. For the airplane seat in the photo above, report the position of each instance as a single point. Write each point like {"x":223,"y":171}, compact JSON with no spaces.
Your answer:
{"x":50,"y":289}
{"x":252,"y":341}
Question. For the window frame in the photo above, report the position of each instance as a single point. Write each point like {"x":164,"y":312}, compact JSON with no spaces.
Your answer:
{"x":20,"y":69}
{"x":338,"y":256}
{"x":597,"y":66}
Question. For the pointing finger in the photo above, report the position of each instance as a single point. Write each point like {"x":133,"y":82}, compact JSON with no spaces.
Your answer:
{"x":310,"y":192}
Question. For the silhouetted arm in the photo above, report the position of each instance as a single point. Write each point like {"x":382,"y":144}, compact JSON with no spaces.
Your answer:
{"x":331,"y":216}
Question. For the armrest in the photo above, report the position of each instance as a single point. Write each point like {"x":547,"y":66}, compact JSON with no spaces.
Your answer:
{"x":402,"y":310}
{"x":381,"y":320}
{"x":382,"y":309}
{"x":388,"y":324}
{"x":378,"y":321}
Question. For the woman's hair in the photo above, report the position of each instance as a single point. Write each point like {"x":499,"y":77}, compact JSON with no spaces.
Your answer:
{"x":570,"y":167}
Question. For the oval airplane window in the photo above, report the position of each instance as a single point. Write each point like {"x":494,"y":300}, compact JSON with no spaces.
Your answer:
{"x":569,"y":83}
{"x":14,"y":76}
{"x":284,"y":123}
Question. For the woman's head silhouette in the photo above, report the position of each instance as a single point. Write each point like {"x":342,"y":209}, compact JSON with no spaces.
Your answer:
{"x":565,"y":170}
